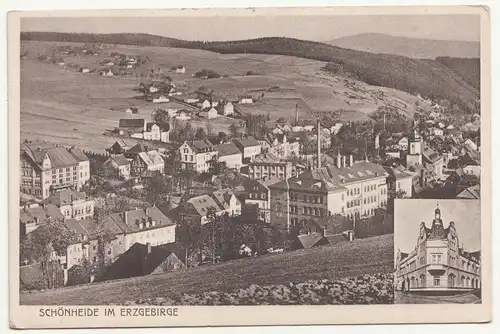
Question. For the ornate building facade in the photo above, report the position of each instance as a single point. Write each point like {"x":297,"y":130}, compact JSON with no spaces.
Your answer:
{"x":438,"y":262}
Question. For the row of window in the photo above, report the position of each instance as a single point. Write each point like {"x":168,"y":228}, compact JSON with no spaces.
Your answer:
{"x":307,"y":210}
{"x":257,"y":196}
{"x":370,"y":187}
{"x":307,"y":198}
{"x":354,"y":203}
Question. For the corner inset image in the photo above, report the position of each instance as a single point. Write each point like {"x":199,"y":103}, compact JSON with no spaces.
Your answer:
{"x":437,"y":248}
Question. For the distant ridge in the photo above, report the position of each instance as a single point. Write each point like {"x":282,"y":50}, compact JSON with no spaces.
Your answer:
{"x":429,"y":78}
{"x":409,"y":47}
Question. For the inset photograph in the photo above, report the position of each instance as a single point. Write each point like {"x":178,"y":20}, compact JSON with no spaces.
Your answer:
{"x":437,"y":251}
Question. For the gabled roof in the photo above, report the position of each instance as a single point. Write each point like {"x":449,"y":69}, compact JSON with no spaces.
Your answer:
{"x":430,"y":155}
{"x":137,"y":262}
{"x":65,"y":197}
{"x":128,"y":221}
{"x":199,"y":146}
{"x":139,"y":147}
{"x":227,"y":149}
{"x":311,"y":240}
{"x":246,"y":142}
{"x":120,"y":160}
{"x":40,"y":213}
{"x":151,"y":158}
{"x":131,"y":123}
{"x":267,"y":158}
{"x":78,"y":155}
{"x":473,"y":192}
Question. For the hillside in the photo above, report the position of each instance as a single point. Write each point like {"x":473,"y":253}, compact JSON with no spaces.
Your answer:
{"x":426,"y":78}
{"x":360,"y":257}
{"x":409,"y":47}
{"x":468,"y":69}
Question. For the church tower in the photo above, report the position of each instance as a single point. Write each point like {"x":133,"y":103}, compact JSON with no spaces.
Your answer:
{"x":414,"y":154}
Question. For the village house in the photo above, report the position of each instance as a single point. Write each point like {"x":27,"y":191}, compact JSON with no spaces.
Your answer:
{"x":245,"y":99}
{"x":279,"y":145}
{"x":119,"y":147}
{"x":33,"y":216}
{"x":181,"y":69}
{"x":257,"y":193}
{"x":147,"y":225}
{"x":183,"y":115}
{"x":84,"y":70}
{"x":129,"y":126}
{"x":72,"y":204}
{"x":356,"y":189}
{"x":132,"y":110}
{"x":106,"y":73}
{"x":45,"y":167}
{"x":132,"y":152}
{"x":197,"y":207}
{"x":196,"y":155}
{"x":433,"y":161}
{"x":268,"y":165}
{"x":400,"y":180}
{"x":403,"y":144}
{"x":231,"y":155}
{"x":209,"y":113}
{"x":191,"y":98}
{"x":143,"y":259}
{"x":146,"y":162}
{"x":438,"y":263}
{"x":226,"y":108}
{"x":160,"y":99}
{"x":154,"y":132}
{"x":116,"y":166}
{"x":472,"y":192}
{"x":470,"y":145}
{"x":249,"y":147}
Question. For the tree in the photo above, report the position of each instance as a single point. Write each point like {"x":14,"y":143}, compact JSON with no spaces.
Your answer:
{"x":156,"y":186}
{"x":336,"y":223}
{"x":233,"y":130}
{"x":200,"y":134}
{"x":188,"y":233}
{"x":40,"y":246}
{"x":216,"y":167}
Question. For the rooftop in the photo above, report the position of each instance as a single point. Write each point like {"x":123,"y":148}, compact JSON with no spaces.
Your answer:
{"x":227,"y":149}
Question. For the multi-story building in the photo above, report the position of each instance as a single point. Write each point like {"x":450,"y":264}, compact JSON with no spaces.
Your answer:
{"x":45,"y":167}
{"x":438,"y":263}
{"x":249,"y":147}
{"x":147,"y":162}
{"x":148,"y":225}
{"x":33,"y":216}
{"x":197,"y":154}
{"x":279,"y":145}
{"x":231,"y":155}
{"x":353,"y":191}
{"x":72,"y":204}
{"x":269,"y":165}
{"x":257,"y":193}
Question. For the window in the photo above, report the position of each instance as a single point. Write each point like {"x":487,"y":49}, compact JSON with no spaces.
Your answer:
{"x":436,"y":258}
{"x":437,"y":281}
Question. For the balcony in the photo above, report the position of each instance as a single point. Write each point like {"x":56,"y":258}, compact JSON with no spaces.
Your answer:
{"x":436,"y":268}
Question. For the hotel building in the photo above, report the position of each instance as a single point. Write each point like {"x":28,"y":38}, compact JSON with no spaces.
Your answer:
{"x":438,"y":262}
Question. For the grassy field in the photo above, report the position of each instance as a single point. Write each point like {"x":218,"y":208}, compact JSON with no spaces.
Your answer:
{"x":363,"y":256}
{"x":62,"y":106}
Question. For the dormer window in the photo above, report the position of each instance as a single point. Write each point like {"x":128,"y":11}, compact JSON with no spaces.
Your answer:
{"x":153,"y":223}
{"x":141,"y":225}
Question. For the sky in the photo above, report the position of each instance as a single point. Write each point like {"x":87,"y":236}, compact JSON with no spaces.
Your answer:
{"x":316,"y":28}
{"x":408,"y":214}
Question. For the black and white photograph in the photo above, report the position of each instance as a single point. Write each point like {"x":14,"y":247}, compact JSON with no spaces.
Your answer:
{"x":249,"y":159}
{"x":438,"y":251}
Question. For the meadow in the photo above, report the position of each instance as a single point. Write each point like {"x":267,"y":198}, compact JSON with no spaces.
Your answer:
{"x":361,"y":257}
{"x":66,"y":107}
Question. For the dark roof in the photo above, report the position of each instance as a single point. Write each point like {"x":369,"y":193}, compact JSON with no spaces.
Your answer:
{"x":40,"y":213}
{"x":310,"y":240}
{"x":246,"y":142}
{"x":65,"y":197}
{"x":267,"y":158}
{"x":336,"y":239}
{"x":128,"y":221}
{"x":78,"y":154}
{"x":59,"y":156}
{"x":138,"y":148}
{"x":131,"y":122}
{"x":430,"y":155}
{"x":333,"y":178}
{"x":120,"y":160}
{"x":137,"y":262}
{"x":203,"y":145}
{"x":227,"y":149}
{"x":473,"y":192}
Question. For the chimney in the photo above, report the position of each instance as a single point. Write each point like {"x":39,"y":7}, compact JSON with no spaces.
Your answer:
{"x":343,"y":161}
{"x":324,"y":231}
{"x":125,"y":216}
{"x":422,"y":177}
{"x":351,"y":160}
{"x":338,"y":160}
{"x":318,"y":126}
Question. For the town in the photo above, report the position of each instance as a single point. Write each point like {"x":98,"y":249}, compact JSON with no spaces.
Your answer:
{"x":197,"y":177}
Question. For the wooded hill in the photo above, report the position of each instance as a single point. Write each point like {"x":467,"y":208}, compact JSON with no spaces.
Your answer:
{"x":429,"y":78}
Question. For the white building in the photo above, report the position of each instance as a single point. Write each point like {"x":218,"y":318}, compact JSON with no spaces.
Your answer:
{"x":231,"y":155}
{"x":196,"y":155}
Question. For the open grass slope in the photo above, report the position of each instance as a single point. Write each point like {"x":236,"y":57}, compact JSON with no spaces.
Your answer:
{"x":70,"y":108}
{"x":394,"y":71}
{"x":363,"y":256}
